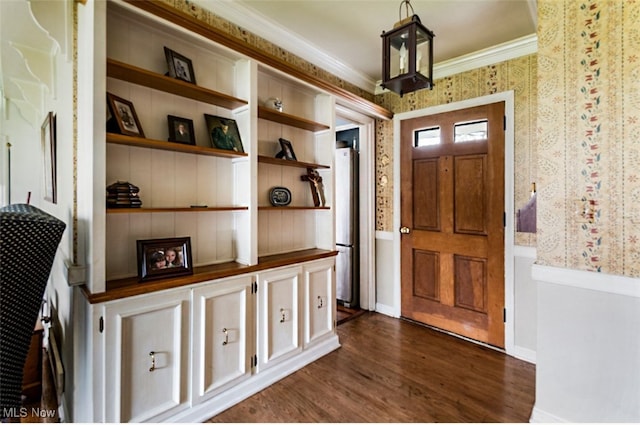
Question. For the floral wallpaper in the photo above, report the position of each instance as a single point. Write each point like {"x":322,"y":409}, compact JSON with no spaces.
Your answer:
{"x":588,"y":127}
{"x":519,"y":75}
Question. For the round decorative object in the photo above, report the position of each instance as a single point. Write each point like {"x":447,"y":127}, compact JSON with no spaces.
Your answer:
{"x":280,"y":196}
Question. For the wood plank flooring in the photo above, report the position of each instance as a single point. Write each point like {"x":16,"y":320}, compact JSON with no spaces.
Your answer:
{"x":391,"y":370}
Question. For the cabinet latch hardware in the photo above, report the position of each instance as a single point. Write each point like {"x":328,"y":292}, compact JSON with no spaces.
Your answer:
{"x":152,"y":354}
{"x":101,"y":324}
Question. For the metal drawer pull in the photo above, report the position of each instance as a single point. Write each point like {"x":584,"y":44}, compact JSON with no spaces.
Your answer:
{"x":320,"y":303}
{"x":283,"y":315}
{"x":226,"y":336}
{"x":153,"y":361}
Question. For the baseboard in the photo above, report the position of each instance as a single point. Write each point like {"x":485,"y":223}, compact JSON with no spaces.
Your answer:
{"x":540,"y":416}
{"x":387,"y":310}
{"x":526,"y":354}
{"x":215,"y":405}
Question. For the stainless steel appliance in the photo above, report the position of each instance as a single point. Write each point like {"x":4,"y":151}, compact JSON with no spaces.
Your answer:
{"x":347,"y":236}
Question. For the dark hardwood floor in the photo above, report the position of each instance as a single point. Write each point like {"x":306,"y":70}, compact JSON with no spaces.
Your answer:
{"x":391,"y":370}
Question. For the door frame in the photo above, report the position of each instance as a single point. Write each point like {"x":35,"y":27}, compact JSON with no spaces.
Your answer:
{"x":367,"y":216}
{"x":508,"y":98}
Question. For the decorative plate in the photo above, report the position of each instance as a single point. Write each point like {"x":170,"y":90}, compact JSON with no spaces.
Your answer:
{"x":280,"y":196}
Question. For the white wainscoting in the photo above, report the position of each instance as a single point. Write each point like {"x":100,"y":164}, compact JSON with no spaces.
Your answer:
{"x":588,"y":347}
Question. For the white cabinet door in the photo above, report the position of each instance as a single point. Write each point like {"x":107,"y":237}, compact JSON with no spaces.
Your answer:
{"x":222,"y":332}
{"x":146,"y":366}
{"x":279,"y":336}
{"x":319,"y":289}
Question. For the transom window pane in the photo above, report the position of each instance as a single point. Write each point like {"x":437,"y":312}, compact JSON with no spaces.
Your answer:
{"x":471,"y":131}
{"x":427,"y":137}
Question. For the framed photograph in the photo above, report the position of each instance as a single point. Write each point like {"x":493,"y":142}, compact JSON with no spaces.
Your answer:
{"x":224,"y":133}
{"x":287,"y":150}
{"x":162,"y":258}
{"x":180,"y":67}
{"x":181,"y":130}
{"x":48,"y":140}
{"x":124,"y":115}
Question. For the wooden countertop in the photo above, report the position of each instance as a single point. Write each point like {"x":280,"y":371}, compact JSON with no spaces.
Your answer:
{"x":123,"y":288}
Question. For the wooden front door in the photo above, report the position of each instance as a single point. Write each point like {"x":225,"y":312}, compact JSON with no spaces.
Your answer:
{"x":452,"y":213}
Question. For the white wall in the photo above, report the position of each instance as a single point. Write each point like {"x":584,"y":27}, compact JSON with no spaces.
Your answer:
{"x":588,"y":356}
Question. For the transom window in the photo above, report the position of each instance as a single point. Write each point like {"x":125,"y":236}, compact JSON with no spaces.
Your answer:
{"x":427,"y":137}
{"x":471,"y":131}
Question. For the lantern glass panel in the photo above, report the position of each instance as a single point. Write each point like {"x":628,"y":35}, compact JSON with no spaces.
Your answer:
{"x":399,"y":54}
{"x":423,"y":53}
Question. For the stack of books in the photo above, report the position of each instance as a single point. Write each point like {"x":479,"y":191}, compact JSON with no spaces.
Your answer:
{"x":123,"y":195}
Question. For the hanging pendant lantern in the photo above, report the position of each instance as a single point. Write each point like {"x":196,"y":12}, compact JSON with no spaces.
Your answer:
{"x":407,"y":55}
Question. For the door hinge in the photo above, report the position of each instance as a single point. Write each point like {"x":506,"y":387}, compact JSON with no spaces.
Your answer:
{"x":101,"y":324}
{"x":504,"y":122}
{"x":504,"y":315}
{"x":504,"y":219}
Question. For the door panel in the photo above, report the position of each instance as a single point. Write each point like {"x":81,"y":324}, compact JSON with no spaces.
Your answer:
{"x":221,"y":347}
{"x":470,"y":194}
{"x":452,"y":201}
{"x":426,"y":274}
{"x":426,"y":200}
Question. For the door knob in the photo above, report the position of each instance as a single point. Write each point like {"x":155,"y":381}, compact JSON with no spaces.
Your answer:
{"x":405,"y":230}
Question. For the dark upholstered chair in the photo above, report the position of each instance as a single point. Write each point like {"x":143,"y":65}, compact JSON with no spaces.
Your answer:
{"x":29,"y":239}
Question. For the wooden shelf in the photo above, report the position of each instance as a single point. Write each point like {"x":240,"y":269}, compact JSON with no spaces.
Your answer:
{"x":271,"y":208}
{"x":121,"y":139}
{"x":282,"y":118}
{"x":171,"y":209}
{"x":122,"y":288}
{"x":142,"y":77}
{"x":288,"y":163}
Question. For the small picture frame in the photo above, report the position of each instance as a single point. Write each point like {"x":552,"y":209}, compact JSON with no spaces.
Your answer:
{"x":181,"y":130}
{"x":48,"y":140}
{"x":287,"y":150}
{"x":180,"y":67}
{"x":223,"y":133}
{"x":124,"y":115}
{"x":162,"y":258}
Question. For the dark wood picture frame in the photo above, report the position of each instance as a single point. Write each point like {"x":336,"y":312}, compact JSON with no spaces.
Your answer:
{"x":224,"y":133}
{"x":125,"y":116}
{"x":287,"y":150}
{"x":180,"y":67}
{"x":181,"y":130}
{"x":48,"y":140}
{"x":155,"y":260}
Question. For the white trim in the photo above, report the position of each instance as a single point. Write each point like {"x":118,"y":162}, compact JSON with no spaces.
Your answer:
{"x":601,"y":282}
{"x":540,"y":416}
{"x":272,"y":31}
{"x":525,"y":251}
{"x":499,"y":53}
{"x":509,"y":296}
{"x":367,"y":207}
{"x":385,"y":236}
{"x":522,"y":46}
{"x":387,"y":310}
{"x":525,"y":354}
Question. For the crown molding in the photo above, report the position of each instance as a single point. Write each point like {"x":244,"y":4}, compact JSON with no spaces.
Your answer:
{"x":522,"y":46}
{"x":271,"y":31}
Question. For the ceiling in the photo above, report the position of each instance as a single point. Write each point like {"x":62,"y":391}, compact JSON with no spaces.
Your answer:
{"x":343,"y":36}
